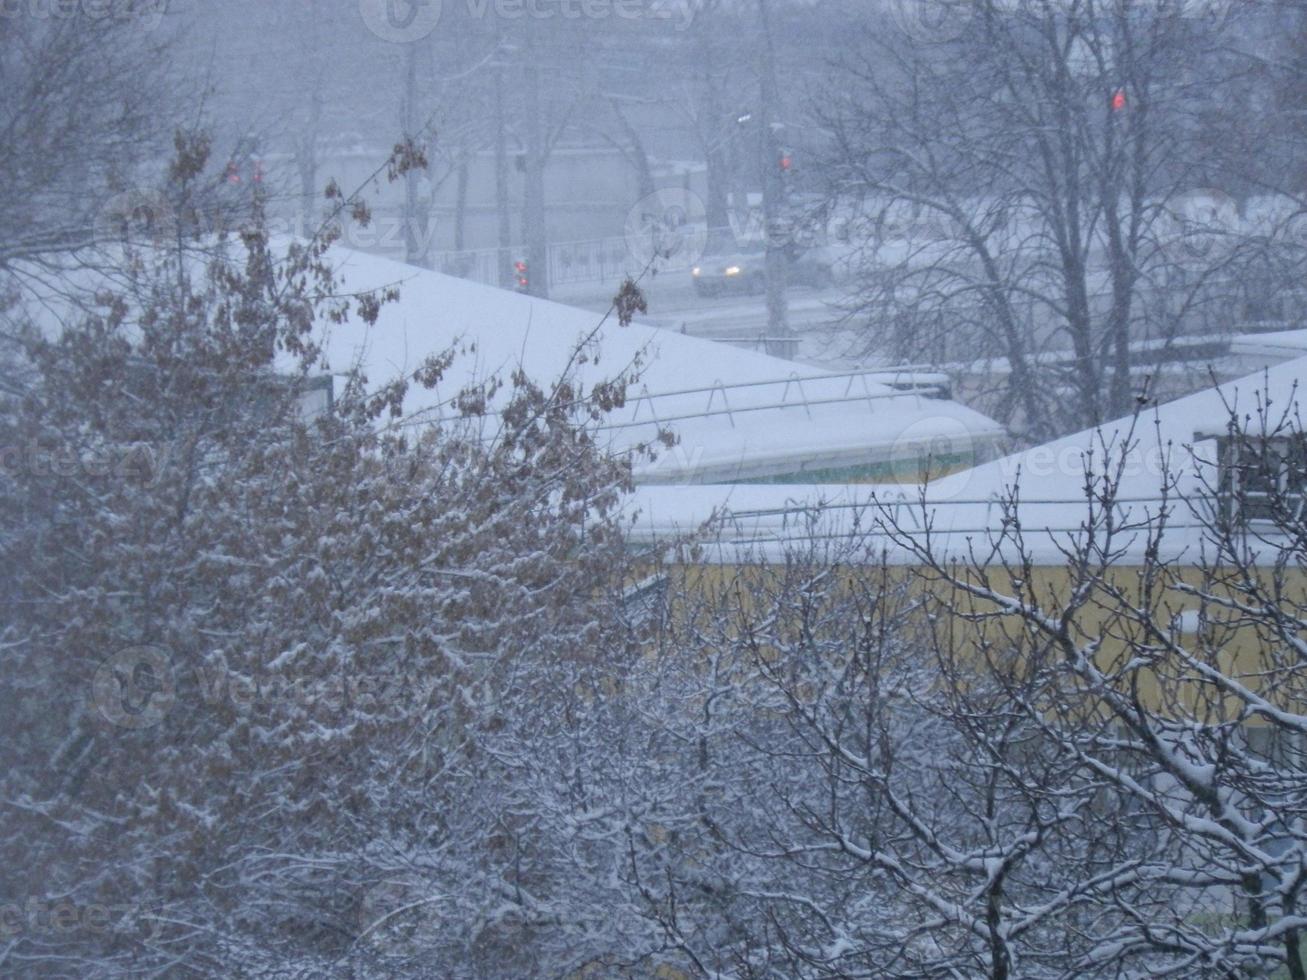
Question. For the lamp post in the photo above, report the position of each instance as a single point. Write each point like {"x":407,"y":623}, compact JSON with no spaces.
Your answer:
{"x":773,"y":191}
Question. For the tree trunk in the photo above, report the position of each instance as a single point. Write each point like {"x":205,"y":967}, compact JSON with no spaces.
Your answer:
{"x":534,"y":231}
{"x":717,"y":176}
{"x":417,"y":212}
{"x":502,"y":203}
{"x":643,"y":172}
{"x":460,"y":205}
{"x":306,"y":162}
{"x":1293,"y":955}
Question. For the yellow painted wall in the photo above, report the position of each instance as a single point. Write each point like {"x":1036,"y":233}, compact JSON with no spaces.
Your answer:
{"x":1238,"y":645}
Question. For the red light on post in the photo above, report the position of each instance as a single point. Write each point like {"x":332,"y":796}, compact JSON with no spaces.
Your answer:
{"x":519,"y":267}
{"x":1118,"y":100}
{"x":233,"y":173}
{"x":787,"y":162}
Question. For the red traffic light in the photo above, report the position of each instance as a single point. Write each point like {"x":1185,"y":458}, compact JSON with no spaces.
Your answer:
{"x":1118,"y":100}
{"x":787,"y":162}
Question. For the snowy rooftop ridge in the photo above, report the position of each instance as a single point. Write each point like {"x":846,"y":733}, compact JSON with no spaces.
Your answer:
{"x":964,"y":509}
{"x":738,"y":414}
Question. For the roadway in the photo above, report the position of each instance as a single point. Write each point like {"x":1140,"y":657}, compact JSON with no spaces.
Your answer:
{"x":674,"y":305}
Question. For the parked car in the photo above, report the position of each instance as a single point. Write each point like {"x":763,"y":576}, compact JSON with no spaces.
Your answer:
{"x":745,"y":270}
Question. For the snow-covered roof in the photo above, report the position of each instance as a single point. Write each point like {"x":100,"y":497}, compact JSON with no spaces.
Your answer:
{"x":1271,"y":346}
{"x":962,"y":509}
{"x":738,"y":414}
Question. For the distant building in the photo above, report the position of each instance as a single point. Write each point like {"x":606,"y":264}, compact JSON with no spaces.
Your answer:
{"x":589,"y":194}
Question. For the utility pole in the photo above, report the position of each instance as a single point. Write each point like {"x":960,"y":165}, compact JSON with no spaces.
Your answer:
{"x":417,"y":211}
{"x":773,"y":191}
{"x":501,"y":181}
{"x":534,"y":231}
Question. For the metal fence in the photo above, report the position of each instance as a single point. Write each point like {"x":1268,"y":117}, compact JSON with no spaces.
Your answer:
{"x":908,"y":381}
{"x":598,"y":260}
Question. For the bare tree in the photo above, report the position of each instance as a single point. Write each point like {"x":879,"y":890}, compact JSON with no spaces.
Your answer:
{"x":1019,"y":170}
{"x":864,"y":795}
{"x":256,"y":751}
{"x":83,"y":104}
{"x":1174,"y":679}
{"x":1029,"y":753}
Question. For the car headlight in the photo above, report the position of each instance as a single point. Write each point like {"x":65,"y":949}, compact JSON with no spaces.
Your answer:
{"x":732,"y":270}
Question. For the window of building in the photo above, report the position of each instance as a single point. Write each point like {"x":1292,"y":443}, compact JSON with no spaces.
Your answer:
{"x":1264,"y":478}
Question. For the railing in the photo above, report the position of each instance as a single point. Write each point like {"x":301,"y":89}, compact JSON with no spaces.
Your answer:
{"x":599,"y":260}
{"x":479,"y":265}
{"x":905,"y":382}
{"x":602,"y":259}
{"x":905,"y":513}
{"x":593,"y":260}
